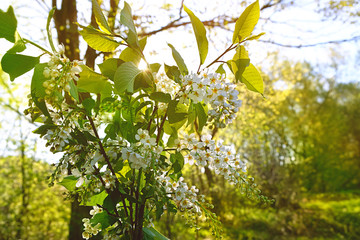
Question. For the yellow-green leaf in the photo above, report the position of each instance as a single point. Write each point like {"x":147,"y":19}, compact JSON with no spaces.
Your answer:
{"x":253,"y":80}
{"x":179,"y":60}
{"x":19,"y":45}
{"x":131,"y":55}
{"x":200,"y":34}
{"x":255,"y":37}
{"x":98,"y":40}
{"x":246,"y":22}
{"x":93,"y":82}
{"x":100,"y":18}
{"x":127,"y":19}
{"x":239,"y":62}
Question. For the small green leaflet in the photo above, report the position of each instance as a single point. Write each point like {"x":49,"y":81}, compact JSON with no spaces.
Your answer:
{"x":8,"y":24}
{"x":179,"y":60}
{"x":127,"y":19}
{"x":152,"y":234}
{"x":125,"y":76}
{"x":200,"y":34}
{"x":48,"y":30}
{"x":177,"y":160}
{"x":173,"y":73}
{"x":176,"y":112}
{"x":93,"y":82}
{"x":253,"y":80}
{"x":42,"y":130}
{"x":131,"y":55}
{"x":73,"y":90}
{"x":100,"y":18}
{"x":154,"y":67}
{"x":16,"y":64}
{"x":88,"y":104}
{"x":246,"y":22}
{"x":254,"y":37}
{"x":98,"y":40}
{"x":109,"y":66}
{"x":160,"y":97}
{"x":201,"y":116}
{"x":220,"y":69}
{"x":37,"y":88}
{"x":144,"y":80}
{"x":69,"y":182}
{"x":19,"y":45}
{"x":104,"y":219}
{"x":96,"y":199}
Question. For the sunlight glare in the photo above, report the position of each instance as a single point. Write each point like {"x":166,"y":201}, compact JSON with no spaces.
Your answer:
{"x":142,"y":65}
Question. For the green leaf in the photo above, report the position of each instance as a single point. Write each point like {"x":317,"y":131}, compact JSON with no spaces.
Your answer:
{"x":104,"y":219}
{"x":69,"y":182}
{"x":37,"y":88}
{"x":160,"y":97}
{"x":125,"y":76}
{"x":144,"y":80}
{"x":246,"y":22}
{"x":154,"y":67}
{"x":176,"y":112}
{"x":48,"y":30}
{"x":220,"y":69}
{"x":131,"y":55}
{"x":173,"y":73}
{"x":201,"y":115}
{"x":127,"y":20}
{"x":8,"y":24}
{"x":79,"y":137}
{"x":73,"y":90}
{"x":19,"y":45}
{"x":88,"y":104}
{"x":42,"y":130}
{"x":96,"y":199}
{"x":152,"y":234}
{"x":100,"y":18}
{"x":239,"y":62}
{"x":16,"y":64}
{"x":109,"y":66}
{"x":253,"y":80}
{"x":179,"y":60}
{"x":93,"y":82}
{"x":200,"y":34}
{"x":254,"y":37}
{"x":178,"y":161}
{"x":98,"y":40}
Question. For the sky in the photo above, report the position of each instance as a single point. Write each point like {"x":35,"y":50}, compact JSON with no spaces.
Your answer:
{"x":299,"y":24}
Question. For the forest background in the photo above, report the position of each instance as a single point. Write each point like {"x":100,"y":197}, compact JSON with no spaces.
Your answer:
{"x":302,"y":140}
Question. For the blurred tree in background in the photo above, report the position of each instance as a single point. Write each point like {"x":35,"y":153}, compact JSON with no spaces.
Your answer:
{"x":29,"y":208}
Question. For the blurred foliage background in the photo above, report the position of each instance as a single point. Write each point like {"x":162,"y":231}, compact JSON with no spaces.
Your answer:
{"x":302,"y":144}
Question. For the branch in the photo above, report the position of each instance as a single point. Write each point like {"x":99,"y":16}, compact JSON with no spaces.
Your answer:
{"x":311,"y":44}
{"x":174,"y":24}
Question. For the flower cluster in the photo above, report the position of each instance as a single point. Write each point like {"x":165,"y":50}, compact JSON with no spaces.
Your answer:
{"x":141,"y":154}
{"x":207,"y":152}
{"x":214,"y":89}
{"x":186,"y":198}
{"x":89,"y":230}
{"x":59,"y":73}
{"x":165,"y":85}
